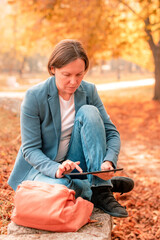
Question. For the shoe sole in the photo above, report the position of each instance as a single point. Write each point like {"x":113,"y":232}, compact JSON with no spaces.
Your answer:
{"x":112,"y":214}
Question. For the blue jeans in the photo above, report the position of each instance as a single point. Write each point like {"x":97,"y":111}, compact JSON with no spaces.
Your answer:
{"x":87,"y":145}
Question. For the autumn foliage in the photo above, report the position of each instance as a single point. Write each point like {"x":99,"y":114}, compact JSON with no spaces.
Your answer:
{"x":108,"y":29}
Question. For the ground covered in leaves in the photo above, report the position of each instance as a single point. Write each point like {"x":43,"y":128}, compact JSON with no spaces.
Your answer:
{"x":137,"y":119}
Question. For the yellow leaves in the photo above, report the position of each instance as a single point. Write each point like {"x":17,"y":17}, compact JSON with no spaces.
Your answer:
{"x":106,"y":28}
{"x":10,"y":2}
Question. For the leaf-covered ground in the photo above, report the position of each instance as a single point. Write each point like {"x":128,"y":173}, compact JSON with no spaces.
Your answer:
{"x":138,"y":121}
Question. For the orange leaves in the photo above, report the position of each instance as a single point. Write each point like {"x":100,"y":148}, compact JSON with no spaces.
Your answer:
{"x":9,"y":123}
{"x":143,"y":207}
{"x":6,"y":207}
{"x":137,"y":122}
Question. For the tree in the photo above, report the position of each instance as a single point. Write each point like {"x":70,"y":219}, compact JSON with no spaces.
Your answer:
{"x":93,"y":22}
{"x":18,"y":43}
{"x":147,"y":13}
{"x":107,"y":28}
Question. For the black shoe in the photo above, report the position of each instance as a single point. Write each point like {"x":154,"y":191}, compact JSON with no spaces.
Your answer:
{"x":122,"y":184}
{"x":103,"y":198}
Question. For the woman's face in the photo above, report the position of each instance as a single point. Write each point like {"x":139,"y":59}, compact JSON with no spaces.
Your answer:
{"x":69,"y":77}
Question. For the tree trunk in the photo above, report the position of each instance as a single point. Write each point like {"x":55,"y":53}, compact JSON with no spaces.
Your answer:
{"x":22,"y":67}
{"x":157,"y":74}
{"x":155,"y":48}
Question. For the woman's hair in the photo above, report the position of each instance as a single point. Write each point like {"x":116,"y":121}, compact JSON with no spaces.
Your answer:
{"x":67,"y":51}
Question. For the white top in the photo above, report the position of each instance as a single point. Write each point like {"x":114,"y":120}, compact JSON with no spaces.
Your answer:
{"x":67,"y":109}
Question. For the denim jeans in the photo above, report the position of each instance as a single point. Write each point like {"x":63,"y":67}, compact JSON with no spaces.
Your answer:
{"x":87,"y":145}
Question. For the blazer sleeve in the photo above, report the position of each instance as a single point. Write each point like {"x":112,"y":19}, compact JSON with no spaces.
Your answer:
{"x":31,"y":137}
{"x":112,"y":135}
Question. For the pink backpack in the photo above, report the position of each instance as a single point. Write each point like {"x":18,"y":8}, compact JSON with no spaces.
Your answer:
{"x":50,"y":207}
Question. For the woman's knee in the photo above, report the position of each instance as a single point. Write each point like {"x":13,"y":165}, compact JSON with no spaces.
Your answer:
{"x":90,"y":113}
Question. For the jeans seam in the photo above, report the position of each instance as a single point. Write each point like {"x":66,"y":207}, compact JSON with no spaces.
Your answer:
{"x":89,"y":155}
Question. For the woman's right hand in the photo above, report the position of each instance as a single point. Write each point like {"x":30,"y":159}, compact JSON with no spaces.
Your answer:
{"x":67,"y":167}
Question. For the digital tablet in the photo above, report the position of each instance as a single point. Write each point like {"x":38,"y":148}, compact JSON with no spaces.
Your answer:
{"x":95,"y":172}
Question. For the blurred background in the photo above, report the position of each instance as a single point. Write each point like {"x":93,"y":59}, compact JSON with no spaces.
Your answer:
{"x":122,"y":39}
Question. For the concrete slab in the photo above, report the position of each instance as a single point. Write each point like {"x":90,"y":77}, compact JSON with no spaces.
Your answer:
{"x":100,"y":230}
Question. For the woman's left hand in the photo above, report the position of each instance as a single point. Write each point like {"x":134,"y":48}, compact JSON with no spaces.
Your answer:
{"x":107,"y":165}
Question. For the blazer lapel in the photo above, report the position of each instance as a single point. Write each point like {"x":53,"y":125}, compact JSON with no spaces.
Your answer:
{"x":80,"y":98}
{"x":53,"y":100}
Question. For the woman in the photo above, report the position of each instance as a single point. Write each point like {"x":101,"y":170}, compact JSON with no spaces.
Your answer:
{"x":64,"y":127}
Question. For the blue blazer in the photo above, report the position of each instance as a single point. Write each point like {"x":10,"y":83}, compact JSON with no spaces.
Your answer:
{"x":41,"y":129}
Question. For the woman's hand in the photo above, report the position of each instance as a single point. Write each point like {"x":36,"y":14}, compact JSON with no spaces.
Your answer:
{"x":107,"y":165}
{"x":67,"y":167}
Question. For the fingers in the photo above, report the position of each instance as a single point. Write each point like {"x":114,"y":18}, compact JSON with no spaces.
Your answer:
{"x":107,"y":165}
{"x":78,"y":168}
{"x":59,"y":173}
{"x":67,"y":167}
{"x":104,"y":176}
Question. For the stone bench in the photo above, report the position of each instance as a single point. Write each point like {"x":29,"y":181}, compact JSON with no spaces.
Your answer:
{"x":100,"y":230}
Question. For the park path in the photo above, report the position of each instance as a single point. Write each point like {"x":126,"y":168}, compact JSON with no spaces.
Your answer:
{"x":100,"y":87}
{"x":125,"y":84}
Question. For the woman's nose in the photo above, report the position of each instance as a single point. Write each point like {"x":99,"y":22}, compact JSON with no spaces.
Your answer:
{"x":73,"y":80}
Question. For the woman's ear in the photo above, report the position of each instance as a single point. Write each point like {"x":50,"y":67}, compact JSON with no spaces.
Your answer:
{"x":52,"y":70}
